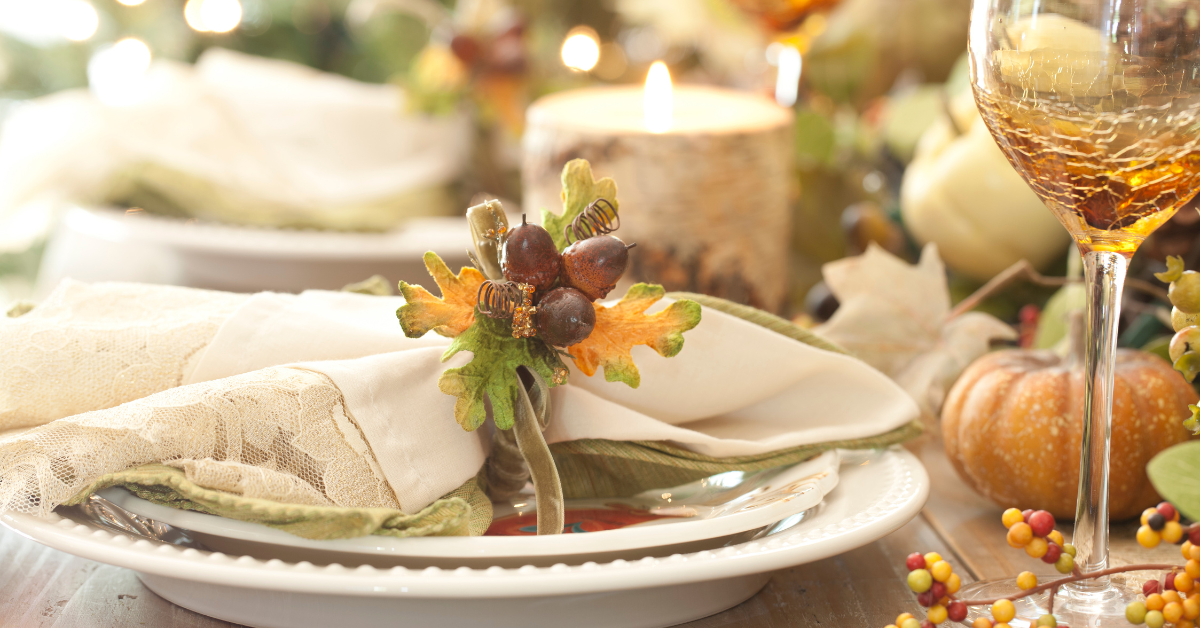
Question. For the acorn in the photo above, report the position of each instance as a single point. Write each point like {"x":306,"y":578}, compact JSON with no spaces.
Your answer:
{"x":565,"y":317}
{"x":529,"y":256}
{"x":594,"y":265}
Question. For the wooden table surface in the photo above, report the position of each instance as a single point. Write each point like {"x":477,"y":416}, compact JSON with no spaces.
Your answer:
{"x":864,"y":588}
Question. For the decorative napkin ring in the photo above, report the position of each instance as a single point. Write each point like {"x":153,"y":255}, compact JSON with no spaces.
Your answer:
{"x":529,"y":302}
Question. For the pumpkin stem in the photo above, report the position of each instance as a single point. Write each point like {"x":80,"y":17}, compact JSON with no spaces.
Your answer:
{"x":1075,"y":340}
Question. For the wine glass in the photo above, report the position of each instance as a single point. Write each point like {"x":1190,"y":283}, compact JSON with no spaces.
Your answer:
{"x":1096,"y":103}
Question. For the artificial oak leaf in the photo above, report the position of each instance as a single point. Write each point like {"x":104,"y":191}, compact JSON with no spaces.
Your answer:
{"x":624,"y":324}
{"x":896,"y":317}
{"x":450,"y":315}
{"x":580,"y":188}
{"x":492,"y":372}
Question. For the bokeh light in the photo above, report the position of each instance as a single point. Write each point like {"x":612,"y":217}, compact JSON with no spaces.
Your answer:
{"x":213,"y":16}
{"x":580,"y":51}
{"x":77,"y":19}
{"x":131,"y":3}
{"x":116,"y":73}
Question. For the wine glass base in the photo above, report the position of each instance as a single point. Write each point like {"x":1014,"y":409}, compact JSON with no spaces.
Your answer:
{"x":1100,"y":606}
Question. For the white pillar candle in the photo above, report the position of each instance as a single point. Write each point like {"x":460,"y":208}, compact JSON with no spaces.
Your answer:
{"x":703,"y":181}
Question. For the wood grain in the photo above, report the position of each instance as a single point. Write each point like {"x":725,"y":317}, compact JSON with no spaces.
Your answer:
{"x":44,"y":588}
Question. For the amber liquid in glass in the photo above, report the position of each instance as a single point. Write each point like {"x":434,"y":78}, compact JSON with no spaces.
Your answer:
{"x":1111,"y":177}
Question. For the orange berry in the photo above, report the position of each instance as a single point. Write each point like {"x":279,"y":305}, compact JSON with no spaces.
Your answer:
{"x":1037,"y":547}
{"x":953,"y":584}
{"x":1148,"y":538}
{"x":903,"y":616}
{"x":1003,"y":611}
{"x":1011,"y":516}
{"x":1154,"y":602}
{"x":938,"y":614}
{"x":1173,"y":612}
{"x":1194,"y":554}
{"x":1057,"y":537}
{"x":941,"y":571}
{"x":1002,"y":624}
{"x":1026,"y":580}
{"x":1192,"y":568}
{"x":1172,"y":532}
{"x":982,"y":622}
{"x":932,"y":557}
{"x":1020,"y":535}
{"x":1184,"y":582}
{"x":1186,"y":549}
{"x":1185,"y":623}
{"x":1191,"y":608}
{"x":1171,"y":596}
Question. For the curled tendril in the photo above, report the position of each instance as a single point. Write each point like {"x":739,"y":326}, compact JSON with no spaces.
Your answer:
{"x":1174,"y":269}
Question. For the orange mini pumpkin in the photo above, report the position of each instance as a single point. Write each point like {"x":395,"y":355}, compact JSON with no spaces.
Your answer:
{"x":1013,"y":423}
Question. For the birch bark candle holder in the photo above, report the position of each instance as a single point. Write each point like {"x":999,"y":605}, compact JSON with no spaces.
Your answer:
{"x":705,"y":178}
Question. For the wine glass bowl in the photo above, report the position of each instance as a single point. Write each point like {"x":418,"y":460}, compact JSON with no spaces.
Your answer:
{"x":1096,"y":104}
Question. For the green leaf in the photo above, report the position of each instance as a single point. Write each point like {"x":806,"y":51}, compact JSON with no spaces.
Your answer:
{"x":1174,"y":270}
{"x":1175,"y":474}
{"x":580,"y":188}
{"x":492,"y":372}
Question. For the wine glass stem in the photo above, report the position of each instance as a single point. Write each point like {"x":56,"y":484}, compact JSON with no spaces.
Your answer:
{"x":1104,"y":273}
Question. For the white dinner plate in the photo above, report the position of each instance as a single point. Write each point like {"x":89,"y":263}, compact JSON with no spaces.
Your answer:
{"x":878,"y":492}
{"x":713,"y":508}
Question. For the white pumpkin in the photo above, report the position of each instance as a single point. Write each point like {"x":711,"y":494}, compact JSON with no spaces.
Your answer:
{"x":960,"y":193}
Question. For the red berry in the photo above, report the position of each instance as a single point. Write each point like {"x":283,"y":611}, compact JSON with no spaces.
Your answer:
{"x":1053,"y":551}
{"x":1042,"y":522}
{"x":1027,"y":513}
{"x":957,"y":611}
{"x":926,"y":599}
{"x":1194,"y":534}
{"x":915,"y":561}
{"x":1167,"y":510}
{"x":1169,"y":582}
{"x":1150,"y":587}
{"x":928,"y":624}
{"x":938,"y":589}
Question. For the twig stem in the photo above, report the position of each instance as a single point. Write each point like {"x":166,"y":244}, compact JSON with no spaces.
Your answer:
{"x":1069,"y":579}
{"x":1024,"y":270}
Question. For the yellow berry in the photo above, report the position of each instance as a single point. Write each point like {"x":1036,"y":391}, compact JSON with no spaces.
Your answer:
{"x":953,"y":584}
{"x":1047,"y":621}
{"x":919,"y":580}
{"x":1184,"y":582}
{"x":1172,"y":532}
{"x":932,"y":557}
{"x":1155,"y":619}
{"x":1171,"y":596}
{"x":1011,"y":516}
{"x":1173,"y":612}
{"x":900,"y":619}
{"x":911,"y":622}
{"x":1135,"y":612}
{"x":941,"y":571}
{"x":1026,"y":580}
{"x":1003,"y":611}
{"x":982,"y":622}
{"x":1069,"y":549}
{"x":891,"y":626}
{"x":1057,"y":537}
{"x":1145,"y":520}
{"x":1037,"y":547}
{"x":1148,"y":538}
{"x":1191,"y":608}
{"x":1155,"y":602}
{"x":1020,"y":535}
{"x":937,"y":613}
{"x":1065,"y":563}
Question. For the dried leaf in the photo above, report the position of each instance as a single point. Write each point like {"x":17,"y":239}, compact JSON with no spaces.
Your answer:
{"x":450,"y":315}
{"x":492,"y":372}
{"x":895,"y":317}
{"x":625,"y":324}
{"x":579,"y":190}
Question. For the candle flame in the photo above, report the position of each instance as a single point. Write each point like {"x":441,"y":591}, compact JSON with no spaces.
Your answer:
{"x":658,"y":106}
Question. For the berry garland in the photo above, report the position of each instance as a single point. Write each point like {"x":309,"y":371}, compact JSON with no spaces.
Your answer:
{"x":1173,"y":600}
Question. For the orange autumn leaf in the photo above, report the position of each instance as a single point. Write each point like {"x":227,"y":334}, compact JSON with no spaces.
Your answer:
{"x":621,"y":326}
{"x":450,"y":315}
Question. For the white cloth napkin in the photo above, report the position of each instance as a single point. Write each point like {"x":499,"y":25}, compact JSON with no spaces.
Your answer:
{"x":735,"y":388}
{"x":280,"y":136}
